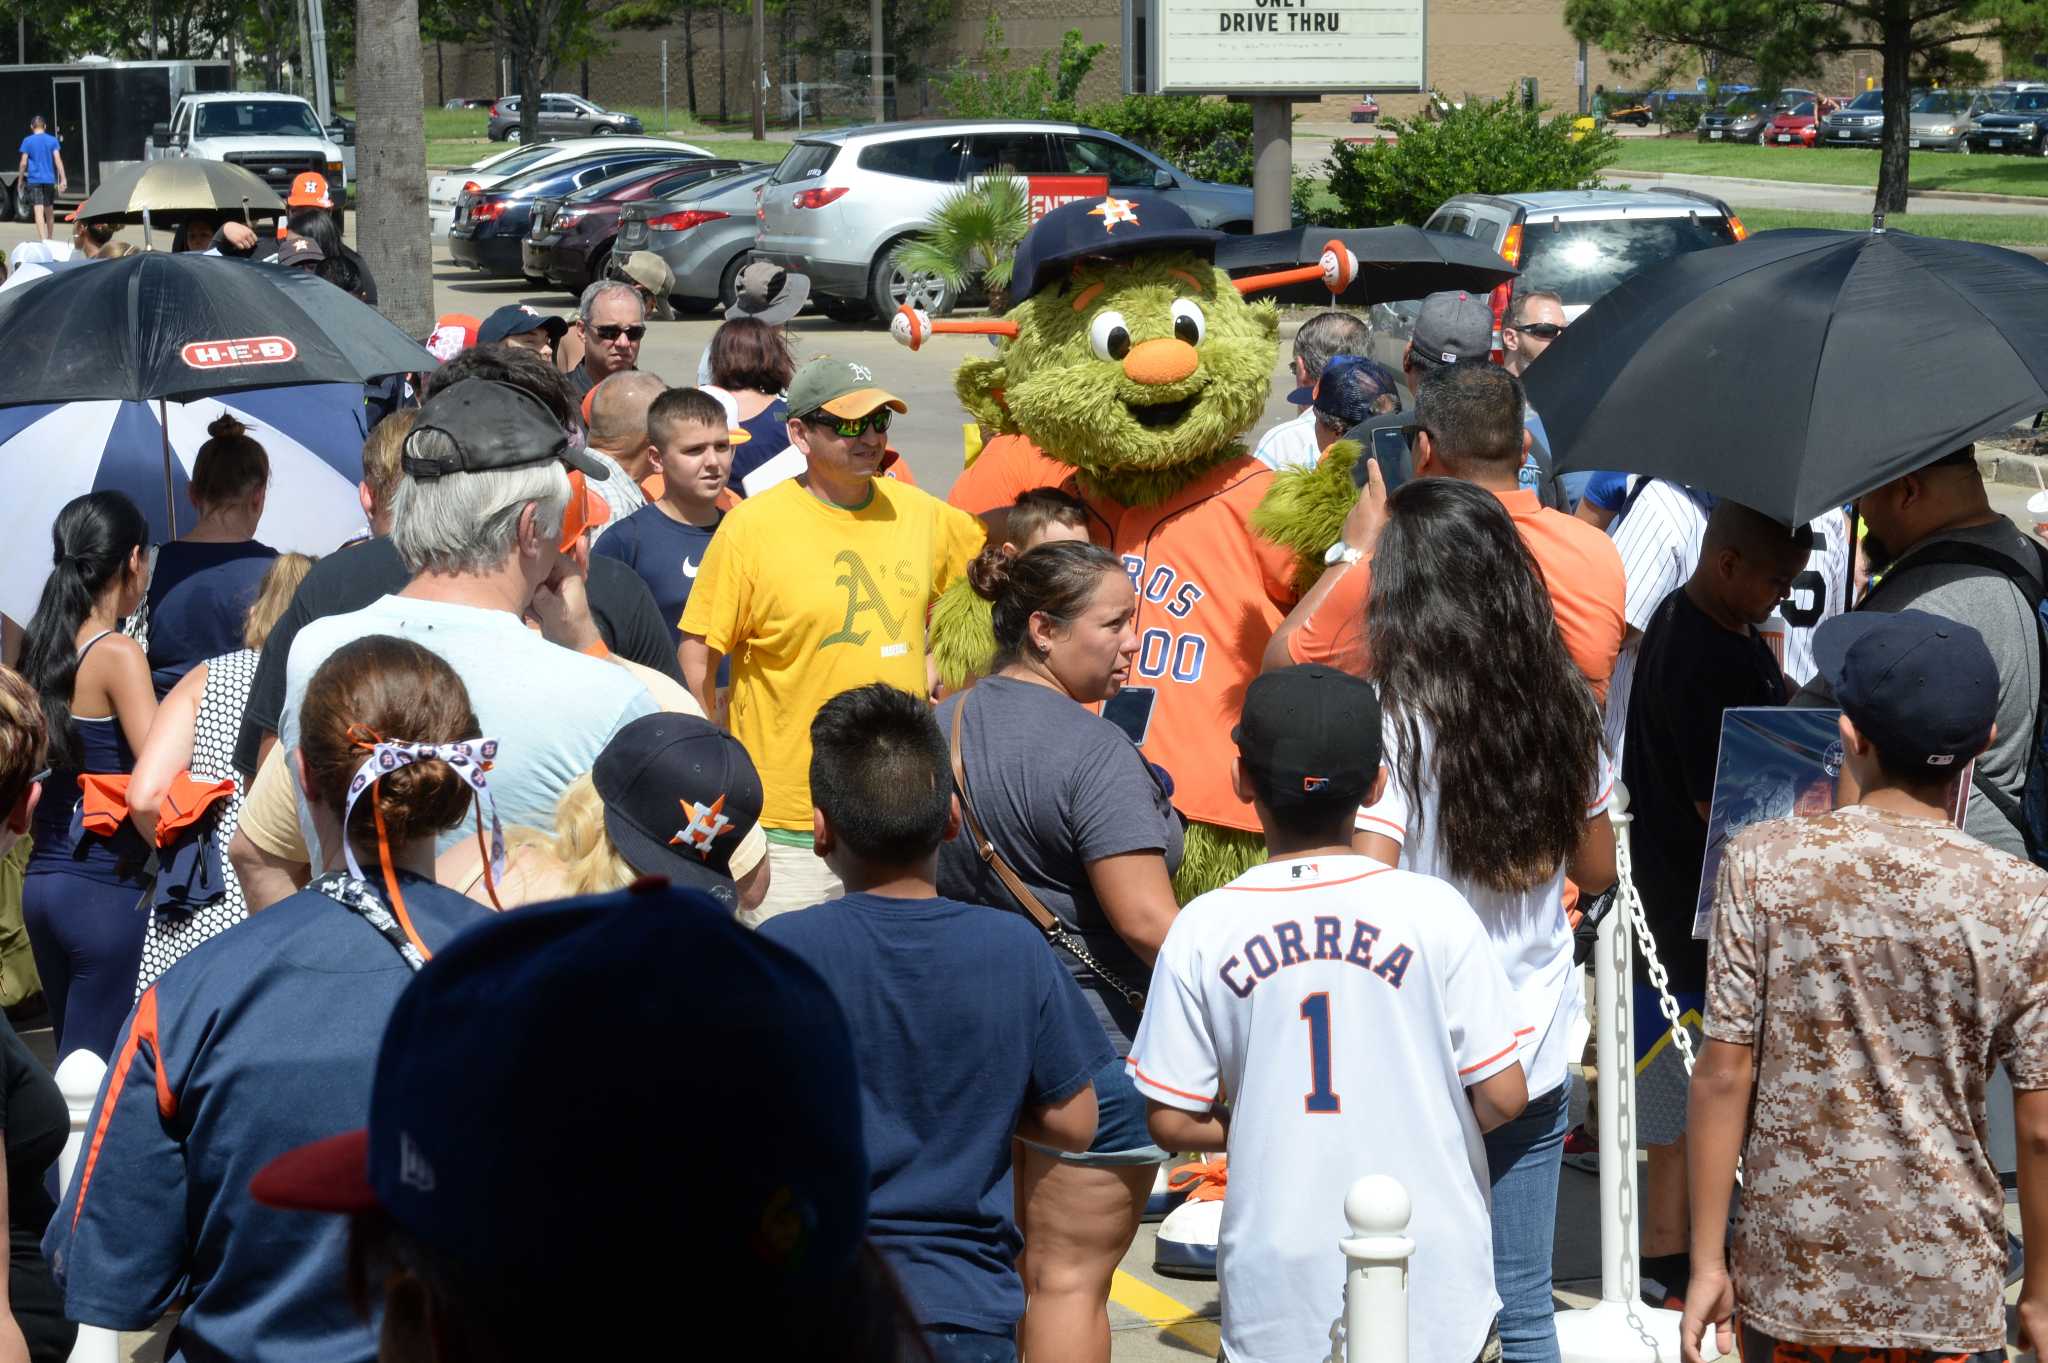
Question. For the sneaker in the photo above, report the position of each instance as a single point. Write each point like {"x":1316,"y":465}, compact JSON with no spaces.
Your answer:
{"x":1582,"y":1149}
{"x":1164,"y":1198}
{"x":1185,"y":1246}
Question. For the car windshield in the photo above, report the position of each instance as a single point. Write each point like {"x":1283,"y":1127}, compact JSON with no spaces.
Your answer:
{"x":1937,"y":102}
{"x":2029,"y":101}
{"x":1870,"y":101}
{"x":1801,"y":111}
{"x":606,"y":188}
{"x":1581,"y":261}
{"x":258,"y":118}
{"x":520,"y":162}
{"x":1745,"y":104}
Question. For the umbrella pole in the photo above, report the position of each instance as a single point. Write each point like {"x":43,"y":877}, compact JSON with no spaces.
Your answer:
{"x":145,"y":229}
{"x":247,"y":221}
{"x":170,"y":496}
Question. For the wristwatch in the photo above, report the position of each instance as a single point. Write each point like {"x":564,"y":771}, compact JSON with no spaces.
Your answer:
{"x":1340,"y":552}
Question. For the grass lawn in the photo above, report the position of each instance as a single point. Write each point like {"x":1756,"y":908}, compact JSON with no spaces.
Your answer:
{"x":1999,"y":229}
{"x":1827,"y":166}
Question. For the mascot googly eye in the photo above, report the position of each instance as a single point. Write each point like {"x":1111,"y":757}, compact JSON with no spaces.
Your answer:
{"x":1108,"y":336}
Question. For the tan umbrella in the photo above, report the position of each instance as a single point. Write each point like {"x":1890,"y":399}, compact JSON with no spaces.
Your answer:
{"x":160,"y":189}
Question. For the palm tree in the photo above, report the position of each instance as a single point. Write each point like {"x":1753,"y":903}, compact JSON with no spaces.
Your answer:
{"x":391,"y":161}
{"x":973,"y":234}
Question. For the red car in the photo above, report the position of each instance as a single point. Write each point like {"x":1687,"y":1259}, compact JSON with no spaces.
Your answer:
{"x":1798,"y":126}
{"x":569,"y":240}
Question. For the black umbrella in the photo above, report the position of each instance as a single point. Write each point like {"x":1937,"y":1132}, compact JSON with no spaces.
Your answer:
{"x":1799,"y":369}
{"x":1393,"y":262}
{"x":185,"y":326}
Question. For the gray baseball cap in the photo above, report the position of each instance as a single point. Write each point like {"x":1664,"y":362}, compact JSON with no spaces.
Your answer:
{"x":1453,"y":326}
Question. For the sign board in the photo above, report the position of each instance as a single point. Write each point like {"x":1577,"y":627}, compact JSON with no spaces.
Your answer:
{"x":1285,"y":47}
{"x":1050,"y":191}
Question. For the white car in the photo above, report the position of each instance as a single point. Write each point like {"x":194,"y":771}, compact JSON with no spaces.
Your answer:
{"x":443,"y":190}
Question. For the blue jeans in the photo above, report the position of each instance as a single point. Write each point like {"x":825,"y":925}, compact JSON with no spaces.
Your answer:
{"x":969,"y":1346}
{"x":1120,"y":1135}
{"x":1522,"y":1162}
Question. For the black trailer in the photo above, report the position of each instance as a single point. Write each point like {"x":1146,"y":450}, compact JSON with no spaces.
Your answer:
{"x":101,"y":111}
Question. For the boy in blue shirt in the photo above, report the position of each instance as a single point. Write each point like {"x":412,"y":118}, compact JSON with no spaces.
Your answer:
{"x":42,"y":170}
{"x":967,"y":1029}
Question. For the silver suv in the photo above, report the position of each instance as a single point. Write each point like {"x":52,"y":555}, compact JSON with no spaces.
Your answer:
{"x":841,"y":203}
{"x":560,"y":116}
{"x":1577,"y":244}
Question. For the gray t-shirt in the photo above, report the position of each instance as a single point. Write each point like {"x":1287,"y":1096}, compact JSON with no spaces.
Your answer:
{"x":1989,"y":603}
{"x":1056,"y":786}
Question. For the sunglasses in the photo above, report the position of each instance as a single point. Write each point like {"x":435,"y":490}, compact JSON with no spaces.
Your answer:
{"x":613,"y":333}
{"x":40,"y":778}
{"x":852,"y":429}
{"x":1546,"y":331}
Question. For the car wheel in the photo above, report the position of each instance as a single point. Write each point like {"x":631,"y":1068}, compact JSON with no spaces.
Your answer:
{"x":603,"y":130}
{"x":890,"y":286}
{"x":511,"y":135}
{"x":845,"y":309}
{"x":600,"y":263}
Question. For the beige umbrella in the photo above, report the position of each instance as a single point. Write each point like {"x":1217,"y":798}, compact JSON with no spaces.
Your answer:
{"x":158,"y":189}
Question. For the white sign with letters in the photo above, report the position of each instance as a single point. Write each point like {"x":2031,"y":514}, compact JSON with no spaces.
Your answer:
{"x":1302,"y":47}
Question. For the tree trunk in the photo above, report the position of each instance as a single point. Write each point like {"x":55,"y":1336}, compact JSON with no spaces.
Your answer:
{"x":1898,"y":118}
{"x":724,"y":76}
{"x":391,"y":161}
{"x":690,"y":59}
{"x":533,"y":75}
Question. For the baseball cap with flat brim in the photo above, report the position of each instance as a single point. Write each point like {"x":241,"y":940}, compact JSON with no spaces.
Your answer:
{"x":491,"y":425}
{"x":841,"y":387}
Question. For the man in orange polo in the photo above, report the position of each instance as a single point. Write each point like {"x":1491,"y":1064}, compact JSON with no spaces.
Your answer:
{"x":1468,"y":421}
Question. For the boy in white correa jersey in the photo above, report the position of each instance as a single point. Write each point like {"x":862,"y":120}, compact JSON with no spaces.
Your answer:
{"x":1355,"y":1020}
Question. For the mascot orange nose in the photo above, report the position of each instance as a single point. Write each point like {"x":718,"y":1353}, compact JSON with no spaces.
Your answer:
{"x":1164,"y":360}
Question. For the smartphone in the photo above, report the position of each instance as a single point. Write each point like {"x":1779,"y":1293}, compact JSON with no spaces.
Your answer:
{"x":1131,"y":710}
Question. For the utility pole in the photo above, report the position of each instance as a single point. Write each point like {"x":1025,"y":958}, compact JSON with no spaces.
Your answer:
{"x":323,"y":93}
{"x":760,"y":71}
{"x":875,"y":91}
{"x":305,"y":50}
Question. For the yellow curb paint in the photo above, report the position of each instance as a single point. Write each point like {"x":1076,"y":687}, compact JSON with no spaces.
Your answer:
{"x":1165,"y":1314}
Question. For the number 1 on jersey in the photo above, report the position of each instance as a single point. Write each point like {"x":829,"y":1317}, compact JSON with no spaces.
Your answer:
{"x":1315,"y":1011}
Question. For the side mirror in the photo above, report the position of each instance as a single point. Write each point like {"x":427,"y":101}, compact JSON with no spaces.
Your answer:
{"x":1163,"y":179}
{"x":160,"y":134}
{"x":341,"y":134}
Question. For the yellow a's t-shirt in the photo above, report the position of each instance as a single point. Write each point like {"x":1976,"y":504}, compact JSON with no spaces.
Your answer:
{"x":810,"y":600}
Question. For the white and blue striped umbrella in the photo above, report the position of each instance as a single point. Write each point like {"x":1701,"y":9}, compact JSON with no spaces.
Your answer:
{"x":51,"y":453}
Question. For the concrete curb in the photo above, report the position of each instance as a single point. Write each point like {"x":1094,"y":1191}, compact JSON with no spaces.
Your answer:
{"x":2001,"y":465}
{"x":1947,"y":195}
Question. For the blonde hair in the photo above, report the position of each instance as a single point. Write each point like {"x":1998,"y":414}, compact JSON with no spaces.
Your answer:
{"x":381,"y":453}
{"x":287,"y":571}
{"x":114,"y":250}
{"x":24,"y":737}
{"x":590,"y":864}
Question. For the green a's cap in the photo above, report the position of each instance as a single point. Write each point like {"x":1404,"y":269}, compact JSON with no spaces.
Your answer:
{"x":841,"y":387}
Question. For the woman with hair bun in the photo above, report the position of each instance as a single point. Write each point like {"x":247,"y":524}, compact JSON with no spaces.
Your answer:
{"x":202,"y":584}
{"x":80,"y":890}
{"x":1066,"y":799}
{"x":265,"y":1037}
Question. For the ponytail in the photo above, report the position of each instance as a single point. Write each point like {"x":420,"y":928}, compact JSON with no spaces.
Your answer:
{"x":92,"y":540}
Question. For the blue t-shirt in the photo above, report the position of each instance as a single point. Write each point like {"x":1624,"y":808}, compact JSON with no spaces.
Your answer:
{"x":961,"y":1018}
{"x":41,"y":150}
{"x":258,"y":1040}
{"x":666,"y":554}
{"x":199,"y":599}
{"x":1608,"y":491}
{"x":768,"y":436}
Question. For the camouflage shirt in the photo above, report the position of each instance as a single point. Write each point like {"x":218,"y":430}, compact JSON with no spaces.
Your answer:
{"x":1880,"y":965}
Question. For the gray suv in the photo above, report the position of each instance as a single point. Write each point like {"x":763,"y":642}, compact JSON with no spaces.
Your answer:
{"x":560,"y":116}
{"x":841,"y":203}
{"x":1859,"y":123}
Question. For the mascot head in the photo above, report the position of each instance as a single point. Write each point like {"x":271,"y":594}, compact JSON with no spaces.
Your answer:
{"x":1125,"y":352}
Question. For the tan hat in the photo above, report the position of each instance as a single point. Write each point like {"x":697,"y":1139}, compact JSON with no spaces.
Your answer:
{"x":768,"y":293}
{"x":651,"y":273}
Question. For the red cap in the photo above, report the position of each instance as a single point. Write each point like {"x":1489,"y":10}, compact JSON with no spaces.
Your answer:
{"x":454,"y":332}
{"x":586,"y":511}
{"x":309,"y":191}
{"x":331,"y":1175}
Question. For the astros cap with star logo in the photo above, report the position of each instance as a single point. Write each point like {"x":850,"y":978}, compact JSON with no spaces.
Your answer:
{"x":682,"y":800}
{"x":1109,"y":228}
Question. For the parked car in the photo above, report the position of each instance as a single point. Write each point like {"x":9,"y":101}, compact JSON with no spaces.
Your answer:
{"x":1575,"y":243}
{"x":1798,"y":126}
{"x":560,"y":116}
{"x":1859,"y":123}
{"x":1742,"y":118}
{"x":275,"y":137}
{"x":570,"y":240}
{"x":2019,"y":127}
{"x":472,"y":102}
{"x":841,"y":203}
{"x":1367,"y":110}
{"x":443,"y":190}
{"x":490,"y":224}
{"x":1942,"y":120}
{"x":704,"y":233}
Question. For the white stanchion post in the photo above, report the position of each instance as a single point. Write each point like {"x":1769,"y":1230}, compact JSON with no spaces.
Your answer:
{"x":79,"y":1079}
{"x":1376,"y":1274}
{"x":1619,"y":1328}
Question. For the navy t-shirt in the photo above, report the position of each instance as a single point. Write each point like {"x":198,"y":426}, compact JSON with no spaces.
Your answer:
{"x":199,"y":599}
{"x":666,"y":554}
{"x":768,"y":432}
{"x":961,"y":1018}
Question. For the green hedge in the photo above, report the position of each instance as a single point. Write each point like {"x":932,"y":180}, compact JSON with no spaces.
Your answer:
{"x":1209,"y":139}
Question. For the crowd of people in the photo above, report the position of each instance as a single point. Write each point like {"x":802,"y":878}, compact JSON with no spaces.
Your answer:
{"x":338,"y":864}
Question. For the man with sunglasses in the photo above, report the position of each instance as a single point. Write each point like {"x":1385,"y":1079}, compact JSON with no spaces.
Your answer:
{"x":1535,"y":320}
{"x":610,"y":321}
{"x":815,"y":586}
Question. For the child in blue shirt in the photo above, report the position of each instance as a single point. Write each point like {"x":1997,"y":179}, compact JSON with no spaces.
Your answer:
{"x":968,"y":1030}
{"x":42,"y":171}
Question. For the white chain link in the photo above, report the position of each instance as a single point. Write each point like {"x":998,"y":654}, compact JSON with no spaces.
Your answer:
{"x":1660,"y":978}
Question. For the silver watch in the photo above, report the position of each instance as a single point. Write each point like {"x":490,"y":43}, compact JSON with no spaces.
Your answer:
{"x":1340,"y":552}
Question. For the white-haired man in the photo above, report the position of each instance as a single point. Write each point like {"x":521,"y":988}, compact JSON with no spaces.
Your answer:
{"x":610,"y":320}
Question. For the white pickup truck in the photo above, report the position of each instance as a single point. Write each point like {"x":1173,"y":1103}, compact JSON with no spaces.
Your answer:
{"x":275,"y":137}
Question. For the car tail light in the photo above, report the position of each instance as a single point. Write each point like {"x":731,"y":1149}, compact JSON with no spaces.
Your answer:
{"x":1735,"y":226}
{"x":817,"y":198}
{"x":471,"y":187}
{"x":485,"y":210}
{"x":1511,"y":252}
{"x":685,"y":220}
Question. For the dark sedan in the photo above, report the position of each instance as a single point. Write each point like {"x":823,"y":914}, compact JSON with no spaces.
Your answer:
{"x":2021,"y":126}
{"x":489,"y":225}
{"x":1742,"y":118}
{"x":569,"y":240}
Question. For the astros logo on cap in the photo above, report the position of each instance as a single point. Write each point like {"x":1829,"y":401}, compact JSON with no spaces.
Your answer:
{"x":1113,"y":211}
{"x":706,"y":823}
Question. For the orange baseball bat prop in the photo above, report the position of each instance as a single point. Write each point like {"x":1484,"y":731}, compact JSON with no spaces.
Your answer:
{"x":1335,"y":270}
{"x":913,"y":327}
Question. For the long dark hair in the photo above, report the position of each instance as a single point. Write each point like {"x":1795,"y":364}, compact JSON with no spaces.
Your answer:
{"x":1058,"y":579}
{"x":1464,"y":640}
{"x":91,"y":542}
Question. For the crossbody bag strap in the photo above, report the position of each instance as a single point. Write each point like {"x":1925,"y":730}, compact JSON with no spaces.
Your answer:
{"x":985,"y":849}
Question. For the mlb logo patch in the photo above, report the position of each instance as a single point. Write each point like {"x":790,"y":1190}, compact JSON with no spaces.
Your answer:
{"x":1314,"y":785}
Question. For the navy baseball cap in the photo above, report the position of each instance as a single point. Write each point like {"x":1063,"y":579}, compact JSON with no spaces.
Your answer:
{"x":565,"y":1089}
{"x":1349,"y":387}
{"x":1310,"y":734}
{"x":1922,"y":687}
{"x":1103,"y":229}
{"x":516,"y":319}
{"x":680,"y":795}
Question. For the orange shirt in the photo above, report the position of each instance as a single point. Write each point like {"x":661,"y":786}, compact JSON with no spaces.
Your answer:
{"x":1007,"y":467}
{"x":1580,"y":566}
